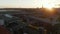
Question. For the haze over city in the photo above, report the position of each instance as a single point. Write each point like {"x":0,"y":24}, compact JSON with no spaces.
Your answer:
{"x":28,"y":3}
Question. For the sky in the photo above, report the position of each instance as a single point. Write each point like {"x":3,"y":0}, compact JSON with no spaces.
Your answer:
{"x":22,"y":3}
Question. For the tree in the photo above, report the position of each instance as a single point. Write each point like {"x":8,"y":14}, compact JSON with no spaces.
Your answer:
{"x":58,"y":19}
{"x":56,"y":29}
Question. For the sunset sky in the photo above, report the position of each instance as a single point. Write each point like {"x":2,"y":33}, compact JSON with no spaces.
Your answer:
{"x":28,"y":3}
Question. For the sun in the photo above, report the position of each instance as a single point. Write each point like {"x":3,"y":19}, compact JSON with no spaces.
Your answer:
{"x":49,"y":4}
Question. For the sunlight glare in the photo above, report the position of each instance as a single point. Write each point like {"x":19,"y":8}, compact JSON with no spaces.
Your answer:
{"x":49,"y":4}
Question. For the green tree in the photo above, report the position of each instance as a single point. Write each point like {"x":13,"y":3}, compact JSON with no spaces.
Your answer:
{"x":56,"y":29}
{"x":58,"y":19}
